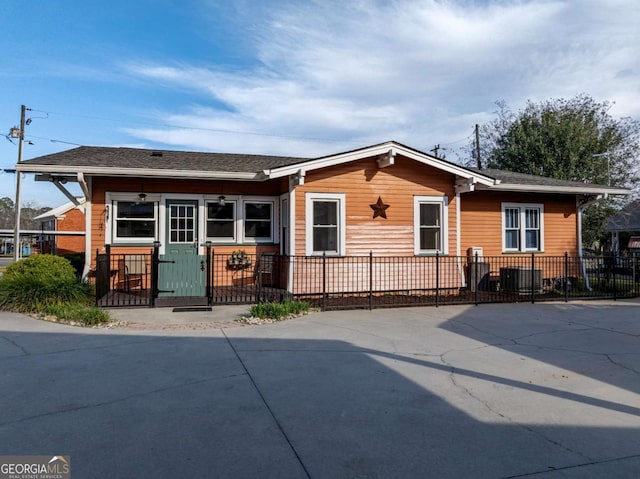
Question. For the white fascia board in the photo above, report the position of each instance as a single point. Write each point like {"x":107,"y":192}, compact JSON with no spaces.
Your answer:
{"x":59,"y":211}
{"x":385,"y":148}
{"x":141,"y":172}
{"x":573,"y":190}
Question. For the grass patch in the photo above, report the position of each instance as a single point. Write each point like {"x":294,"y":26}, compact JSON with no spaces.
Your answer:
{"x":78,"y":313}
{"x":279,"y":311}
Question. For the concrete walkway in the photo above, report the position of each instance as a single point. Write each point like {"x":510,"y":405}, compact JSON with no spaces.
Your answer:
{"x":222,"y":316}
{"x":494,"y":391}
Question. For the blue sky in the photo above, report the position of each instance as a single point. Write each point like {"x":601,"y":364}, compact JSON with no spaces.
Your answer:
{"x":303,"y":78}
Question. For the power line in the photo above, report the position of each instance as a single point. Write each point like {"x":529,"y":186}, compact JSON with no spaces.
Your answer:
{"x":466,"y":138}
{"x":53,"y":140}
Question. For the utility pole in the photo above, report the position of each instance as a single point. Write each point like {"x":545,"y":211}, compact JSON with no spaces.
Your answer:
{"x":435,"y":150}
{"x":478,"y":161}
{"x":16,"y":231}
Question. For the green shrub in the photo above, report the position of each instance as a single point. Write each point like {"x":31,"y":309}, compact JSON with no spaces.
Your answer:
{"x":43,"y":267}
{"x":33,"y":283}
{"x":278,"y":311}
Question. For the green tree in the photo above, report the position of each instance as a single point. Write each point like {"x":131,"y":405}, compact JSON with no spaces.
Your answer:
{"x":575,"y":139}
{"x":7,"y":213}
{"x":27,"y":214}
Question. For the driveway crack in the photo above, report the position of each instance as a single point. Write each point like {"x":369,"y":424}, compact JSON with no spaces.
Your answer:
{"x":574,"y":466}
{"x":118,"y":400}
{"x":268,"y":407}
{"x":480,"y":330}
{"x":13,"y":343}
{"x":488,"y":407}
{"x":623,"y":366}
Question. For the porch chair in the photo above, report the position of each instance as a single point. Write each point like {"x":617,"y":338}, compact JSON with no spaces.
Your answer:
{"x":131,"y":269}
{"x":265,"y":268}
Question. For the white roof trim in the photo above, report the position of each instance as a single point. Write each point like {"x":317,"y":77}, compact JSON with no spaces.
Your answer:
{"x":391,"y":148}
{"x":59,"y":211}
{"x":140,"y":172}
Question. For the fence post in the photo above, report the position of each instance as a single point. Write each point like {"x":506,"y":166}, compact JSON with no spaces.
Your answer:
{"x":107,"y":251}
{"x":613,"y":268}
{"x":324,"y":281}
{"x":475,"y":279}
{"x":566,"y":276}
{"x":155,"y":261}
{"x":437,"y":279}
{"x":259,"y":260}
{"x":370,"y":279}
{"x":533,"y":278}
{"x":209,"y":286}
{"x":98,"y":286}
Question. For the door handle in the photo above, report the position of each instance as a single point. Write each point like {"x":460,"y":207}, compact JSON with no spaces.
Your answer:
{"x":202,"y":265}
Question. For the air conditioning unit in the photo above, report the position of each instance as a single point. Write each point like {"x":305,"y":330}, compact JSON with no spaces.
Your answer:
{"x":519,"y":280}
{"x":473,"y":251}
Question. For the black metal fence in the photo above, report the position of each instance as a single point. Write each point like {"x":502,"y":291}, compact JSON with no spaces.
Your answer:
{"x":374,"y":282}
{"x":351,"y":282}
{"x":124,"y":279}
{"x":247,"y":278}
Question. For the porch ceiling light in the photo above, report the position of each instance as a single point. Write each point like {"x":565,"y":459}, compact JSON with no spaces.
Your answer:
{"x":221,"y":200}
{"x":142,"y":197}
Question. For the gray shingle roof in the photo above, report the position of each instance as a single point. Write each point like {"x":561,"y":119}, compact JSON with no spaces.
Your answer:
{"x":510,"y":177}
{"x":627,"y":220}
{"x":114,"y":157}
{"x":126,"y":160}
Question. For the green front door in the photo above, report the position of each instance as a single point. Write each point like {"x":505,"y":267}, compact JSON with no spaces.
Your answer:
{"x":182,"y":269}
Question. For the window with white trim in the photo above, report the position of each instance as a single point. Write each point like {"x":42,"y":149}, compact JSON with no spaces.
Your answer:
{"x":522,"y":227}
{"x":430,"y":224}
{"x":221,"y":222}
{"x":258,"y":220}
{"x":247,"y":220}
{"x":182,"y":223}
{"x":134,"y":221}
{"x":325,"y":218}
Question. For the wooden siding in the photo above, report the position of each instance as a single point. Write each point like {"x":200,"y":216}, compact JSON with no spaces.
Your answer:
{"x":481,"y":221}
{"x":363,"y":182}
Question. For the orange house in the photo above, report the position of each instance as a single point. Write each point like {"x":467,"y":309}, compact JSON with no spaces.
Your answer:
{"x":384,"y":200}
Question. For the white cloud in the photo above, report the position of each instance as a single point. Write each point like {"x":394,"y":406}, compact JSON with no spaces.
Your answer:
{"x":336,"y":75}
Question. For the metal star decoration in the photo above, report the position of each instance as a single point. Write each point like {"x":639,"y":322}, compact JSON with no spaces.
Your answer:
{"x":379,"y":209}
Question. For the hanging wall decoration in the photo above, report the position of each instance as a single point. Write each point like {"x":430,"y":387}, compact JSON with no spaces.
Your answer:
{"x":379,"y":209}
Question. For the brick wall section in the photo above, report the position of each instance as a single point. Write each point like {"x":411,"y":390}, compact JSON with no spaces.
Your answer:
{"x":74,"y":220}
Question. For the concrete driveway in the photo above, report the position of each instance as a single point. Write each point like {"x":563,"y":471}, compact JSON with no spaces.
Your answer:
{"x":496,"y":391}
